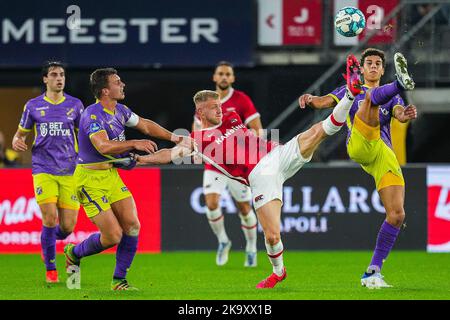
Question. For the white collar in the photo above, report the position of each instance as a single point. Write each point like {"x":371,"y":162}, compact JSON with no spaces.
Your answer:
{"x":228,"y":96}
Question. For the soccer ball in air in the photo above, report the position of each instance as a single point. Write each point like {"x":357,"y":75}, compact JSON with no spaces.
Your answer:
{"x":349,"y":21}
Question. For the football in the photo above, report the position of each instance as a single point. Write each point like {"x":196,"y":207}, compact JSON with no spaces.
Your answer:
{"x":349,"y":21}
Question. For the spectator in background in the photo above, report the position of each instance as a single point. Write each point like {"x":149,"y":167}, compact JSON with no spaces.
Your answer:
{"x":8,"y":157}
{"x":442,"y":17}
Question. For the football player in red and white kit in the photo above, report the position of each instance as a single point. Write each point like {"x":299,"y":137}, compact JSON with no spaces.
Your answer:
{"x":214,"y":182}
{"x":225,"y":142}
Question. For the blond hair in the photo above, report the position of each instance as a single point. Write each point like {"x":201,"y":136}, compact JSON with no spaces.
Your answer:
{"x":204,"y":95}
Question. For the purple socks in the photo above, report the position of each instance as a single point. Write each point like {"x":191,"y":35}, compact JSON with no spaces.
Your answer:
{"x":385,"y":241}
{"x":383,"y":94}
{"x":61,"y":235}
{"x":48,"y":244}
{"x":126,"y":251}
{"x":49,"y":235}
{"x":88,"y":247}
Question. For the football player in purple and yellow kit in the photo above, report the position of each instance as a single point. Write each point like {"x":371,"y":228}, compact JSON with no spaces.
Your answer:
{"x":54,"y":117}
{"x":105,"y":198}
{"x":369,"y":144}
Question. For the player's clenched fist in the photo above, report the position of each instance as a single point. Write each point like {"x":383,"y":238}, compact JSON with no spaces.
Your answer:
{"x":304,"y":100}
{"x":145,"y":145}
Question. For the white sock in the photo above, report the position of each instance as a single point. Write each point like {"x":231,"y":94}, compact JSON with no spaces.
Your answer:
{"x":337,"y":118}
{"x":275,"y":254}
{"x":249,"y":225}
{"x":215,"y":219}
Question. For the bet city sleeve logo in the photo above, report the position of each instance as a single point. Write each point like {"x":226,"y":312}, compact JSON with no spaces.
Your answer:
{"x":54,"y":129}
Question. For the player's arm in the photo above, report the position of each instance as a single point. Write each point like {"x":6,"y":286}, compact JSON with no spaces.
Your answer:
{"x":18,"y":142}
{"x":25,"y":125}
{"x":151,"y":128}
{"x":105,"y":146}
{"x":316,"y":102}
{"x":256,"y":126}
{"x":405,"y":114}
{"x":164,"y":156}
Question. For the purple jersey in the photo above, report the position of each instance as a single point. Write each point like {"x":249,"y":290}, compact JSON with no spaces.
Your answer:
{"x":386,"y":111}
{"x":96,"y":118}
{"x":55,"y":145}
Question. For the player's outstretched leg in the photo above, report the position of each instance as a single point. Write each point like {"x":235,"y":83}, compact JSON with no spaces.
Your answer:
{"x":310,"y":140}
{"x":337,"y":118}
{"x":385,"y":93}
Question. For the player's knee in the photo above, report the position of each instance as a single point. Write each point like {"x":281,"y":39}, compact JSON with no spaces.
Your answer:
{"x":244,"y":208}
{"x":396,"y":216}
{"x":134,"y":229}
{"x":212,"y":204}
{"x":50,"y":220}
{"x":272,"y":238}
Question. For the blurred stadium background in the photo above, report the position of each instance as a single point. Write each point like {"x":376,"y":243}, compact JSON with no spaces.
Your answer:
{"x":165,"y":51}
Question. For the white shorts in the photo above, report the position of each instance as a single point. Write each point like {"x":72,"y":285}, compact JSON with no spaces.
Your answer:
{"x":267,"y":178}
{"x":216,"y":182}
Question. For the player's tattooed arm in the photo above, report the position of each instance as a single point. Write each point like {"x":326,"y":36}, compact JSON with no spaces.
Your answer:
{"x":18,"y":142}
{"x":405,"y":114}
{"x":316,"y":102}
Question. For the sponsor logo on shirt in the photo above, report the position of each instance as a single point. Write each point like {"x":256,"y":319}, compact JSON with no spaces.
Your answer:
{"x":229,"y":132}
{"x":124,"y":189}
{"x":259,"y":198}
{"x":39,"y":191}
{"x":54,"y":129}
{"x":94,"y":127}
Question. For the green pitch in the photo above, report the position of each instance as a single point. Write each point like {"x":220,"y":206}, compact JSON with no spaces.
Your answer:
{"x":194,"y":276}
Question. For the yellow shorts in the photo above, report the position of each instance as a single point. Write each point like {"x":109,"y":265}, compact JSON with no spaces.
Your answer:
{"x":366,"y":147}
{"x":97,"y":189}
{"x":49,"y":188}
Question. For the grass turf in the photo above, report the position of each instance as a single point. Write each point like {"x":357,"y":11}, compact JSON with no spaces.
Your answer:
{"x":324,"y":275}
